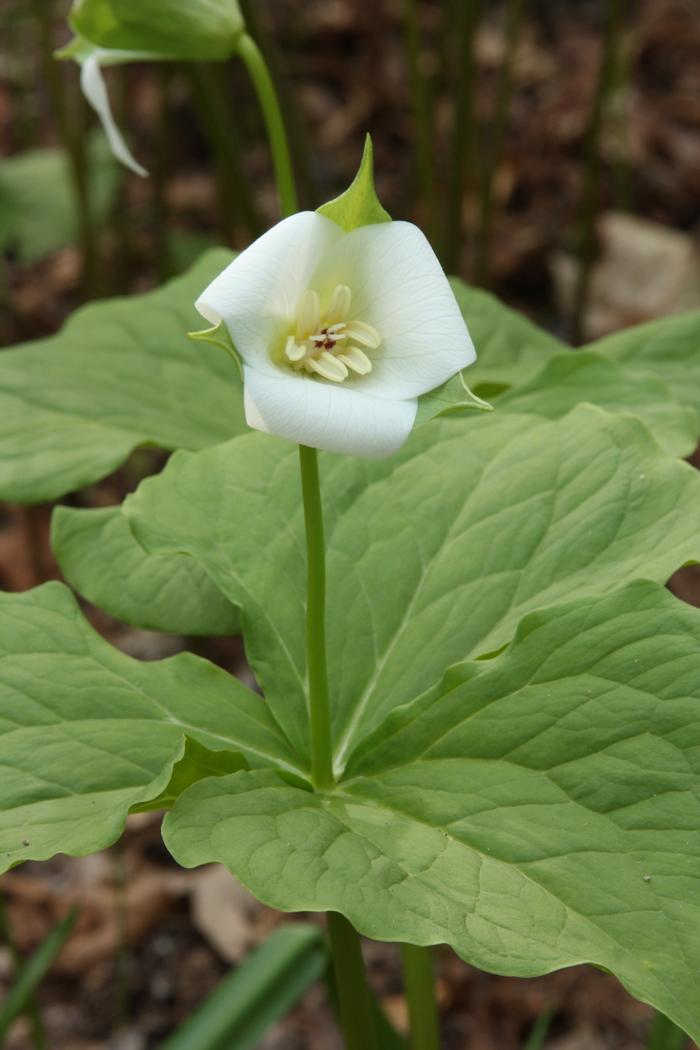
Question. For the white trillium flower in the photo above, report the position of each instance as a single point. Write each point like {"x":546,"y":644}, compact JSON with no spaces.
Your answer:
{"x":339,"y":333}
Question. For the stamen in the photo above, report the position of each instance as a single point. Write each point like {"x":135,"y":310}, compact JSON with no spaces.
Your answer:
{"x":340,"y":302}
{"x":324,"y":343}
{"x":329,"y":367}
{"x":308,"y":313}
{"x":364,"y":334}
{"x":328,"y":336}
{"x":356,"y":359}
{"x":293,"y":351}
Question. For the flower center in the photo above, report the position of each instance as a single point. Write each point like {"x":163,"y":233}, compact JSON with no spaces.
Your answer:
{"x":327,"y":344}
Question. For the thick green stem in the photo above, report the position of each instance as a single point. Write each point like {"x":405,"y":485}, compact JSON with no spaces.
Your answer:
{"x":590,"y":198}
{"x":420,"y":99}
{"x":317,"y":671}
{"x":419,"y":983}
{"x":465,"y":17}
{"x":356,"y":1010}
{"x":267,"y":97}
{"x":505,"y":82}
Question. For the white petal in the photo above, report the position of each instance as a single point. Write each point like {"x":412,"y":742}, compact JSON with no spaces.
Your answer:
{"x":258,"y":294}
{"x":95,"y":91}
{"x":399,"y":287}
{"x":325,"y":416}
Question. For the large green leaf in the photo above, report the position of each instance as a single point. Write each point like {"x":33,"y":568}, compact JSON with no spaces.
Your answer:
{"x":100,"y":557}
{"x":37,"y":205}
{"x":197,"y":30}
{"x":570,"y":378}
{"x":539,"y":810}
{"x":669,"y":347}
{"x":434,"y":555}
{"x":510,"y":349}
{"x":86,"y":732}
{"x":121,"y":373}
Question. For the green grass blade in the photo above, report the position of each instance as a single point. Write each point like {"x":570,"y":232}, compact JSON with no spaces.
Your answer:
{"x":536,"y":1038}
{"x":256,"y":994}
{"x":33,"y":972}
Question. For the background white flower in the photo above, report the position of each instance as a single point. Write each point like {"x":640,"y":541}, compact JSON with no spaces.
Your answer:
{"x":95,"y":91}
{"x":339,"y":333}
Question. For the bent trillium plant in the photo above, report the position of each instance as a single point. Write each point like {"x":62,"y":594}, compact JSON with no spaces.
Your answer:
{"x":489,"y":737}
{"x":119,"y":32}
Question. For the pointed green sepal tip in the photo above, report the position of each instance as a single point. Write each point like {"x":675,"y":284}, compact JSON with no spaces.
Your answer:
{"x":76,"y":49}
{"x":359,"y":205}
{"x":218,"y":335}
{"x":452,"y":398}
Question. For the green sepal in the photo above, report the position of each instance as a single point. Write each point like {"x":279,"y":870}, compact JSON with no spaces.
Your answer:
{"x":196,"y":763}
{"x":219,"y":335}
{"x":449,"y":399}
{"x":359,"y":204}
{"x":79,"y":50}
{"x":76,"y":49}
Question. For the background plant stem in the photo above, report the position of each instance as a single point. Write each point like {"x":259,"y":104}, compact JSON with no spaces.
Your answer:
{"x":256,"y":16}
{"x":356,"y":1010}
{"x":422,"y":120}
{"x":235,"y":198}
{"x":419,"y":983}
{"x":590,"y":196}
{"x":465,"y":17}
{"x":73,"y":143}
{"x":161,"y":169}
{"x":500,"y":119}
{"x":665,"y":1035}
{"x":317,"y":671}
{"x":281,"y":159}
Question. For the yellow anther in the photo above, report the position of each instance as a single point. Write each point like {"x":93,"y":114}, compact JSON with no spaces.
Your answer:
{"x":293,"y":351}
{"x":340,"y":302}
{"x":329,"y":367}
{"x":356,"y":359}
{"x":308,"y":314}
{"x":364,"y":334}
